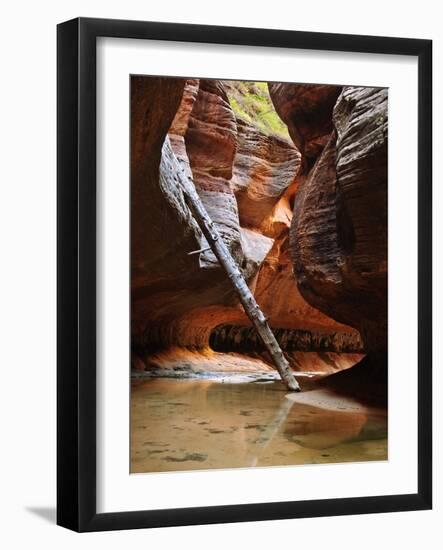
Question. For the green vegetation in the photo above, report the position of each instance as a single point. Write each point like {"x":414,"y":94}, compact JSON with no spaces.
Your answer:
{"x":250,"y":102}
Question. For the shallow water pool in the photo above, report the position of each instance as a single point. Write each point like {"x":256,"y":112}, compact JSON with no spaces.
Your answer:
{"x":200,"y":424}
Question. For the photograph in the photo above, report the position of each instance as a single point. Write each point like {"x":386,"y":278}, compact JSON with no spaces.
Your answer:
{"x":221,"y":257}
{"x":258,"y":274}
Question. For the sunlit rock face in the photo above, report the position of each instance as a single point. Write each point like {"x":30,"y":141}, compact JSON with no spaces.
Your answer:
{"x":173,"y":293}
{"x":264,"y":167}
{"x":179,"y":126}
{"x":211,"y":141}
{"x":279,"y":297}
{"x":248,"y":182}
{"x":338,"y":237}
{"x":265,"y":180}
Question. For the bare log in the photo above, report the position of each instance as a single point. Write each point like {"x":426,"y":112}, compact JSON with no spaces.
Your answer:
{"x":247,"y":299}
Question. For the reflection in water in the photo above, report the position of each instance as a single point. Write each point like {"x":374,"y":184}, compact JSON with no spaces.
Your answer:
{"x":202,"y":424}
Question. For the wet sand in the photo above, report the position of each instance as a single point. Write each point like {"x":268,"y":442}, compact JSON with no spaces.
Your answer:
{"x":229,"y":422}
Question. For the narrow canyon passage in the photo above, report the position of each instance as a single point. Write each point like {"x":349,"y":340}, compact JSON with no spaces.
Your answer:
{"x":294,"y":179}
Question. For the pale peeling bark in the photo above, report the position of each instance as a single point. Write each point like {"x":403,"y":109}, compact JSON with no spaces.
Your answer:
{"x":247,"y":299}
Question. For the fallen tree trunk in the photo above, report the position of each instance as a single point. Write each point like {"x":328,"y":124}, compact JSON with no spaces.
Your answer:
{"x":247,"y":299}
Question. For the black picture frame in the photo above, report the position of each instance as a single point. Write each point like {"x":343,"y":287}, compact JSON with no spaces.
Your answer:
{"x":76,"y":273}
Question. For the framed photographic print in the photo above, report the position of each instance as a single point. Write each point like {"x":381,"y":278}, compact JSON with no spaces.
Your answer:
{"x":244,"y":274}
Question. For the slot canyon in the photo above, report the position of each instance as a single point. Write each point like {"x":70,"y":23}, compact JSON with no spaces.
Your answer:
{"x":294,"y":179}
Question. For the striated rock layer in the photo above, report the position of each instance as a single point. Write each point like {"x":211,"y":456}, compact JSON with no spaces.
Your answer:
{"x":169,"y":287}
{"x":165,"y":281}
{"x":236,"y":338}
{"x":248,"y":181}
{"x":338,"y":238}
{"x":264,"y":167}
{"x":307,"y":110}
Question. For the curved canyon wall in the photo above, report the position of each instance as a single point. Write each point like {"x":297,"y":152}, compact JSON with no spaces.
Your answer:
{"x":307,"y":110}
{"x":338,"y":236}
{"x":250,"y":182}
